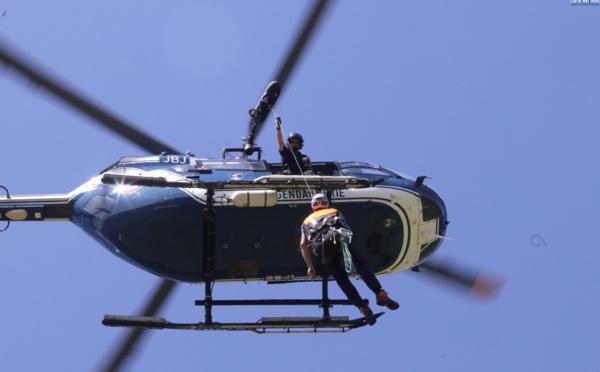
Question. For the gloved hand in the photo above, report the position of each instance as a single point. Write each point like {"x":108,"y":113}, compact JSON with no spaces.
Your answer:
{"x":278,"y":123}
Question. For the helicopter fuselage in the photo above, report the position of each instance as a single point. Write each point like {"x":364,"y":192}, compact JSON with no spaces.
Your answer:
{"x":397,"y":222}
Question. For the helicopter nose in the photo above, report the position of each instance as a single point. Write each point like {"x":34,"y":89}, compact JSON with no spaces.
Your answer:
{"x":433,"y":208}
{"x":433,"y":227}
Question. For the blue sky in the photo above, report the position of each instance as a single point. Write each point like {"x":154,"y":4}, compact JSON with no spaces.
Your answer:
{"x":496,"y":101}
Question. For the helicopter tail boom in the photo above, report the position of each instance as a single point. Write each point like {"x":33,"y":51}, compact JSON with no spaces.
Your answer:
{"x":35,"y":208}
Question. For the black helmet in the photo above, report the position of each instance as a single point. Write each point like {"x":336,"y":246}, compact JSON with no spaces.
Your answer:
{"x":297,"y":136}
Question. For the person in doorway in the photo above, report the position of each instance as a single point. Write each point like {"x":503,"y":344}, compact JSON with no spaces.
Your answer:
{"x":293,"y":161}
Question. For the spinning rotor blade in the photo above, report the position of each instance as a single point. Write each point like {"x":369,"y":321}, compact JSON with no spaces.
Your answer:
{"x":127,"y":344}
{"x":285,"y":70}
{"x":475,"y":283}
{"x":77,"y":101}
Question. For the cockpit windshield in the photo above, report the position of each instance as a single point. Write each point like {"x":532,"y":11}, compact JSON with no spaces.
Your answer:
{"x":365,"y":170}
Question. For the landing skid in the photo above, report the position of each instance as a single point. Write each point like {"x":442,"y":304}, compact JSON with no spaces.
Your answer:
{"x":264,"y":325}
{"x":325,"y":323}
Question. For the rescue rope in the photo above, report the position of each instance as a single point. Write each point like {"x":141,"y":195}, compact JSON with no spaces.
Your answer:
{"x":345,"y":235}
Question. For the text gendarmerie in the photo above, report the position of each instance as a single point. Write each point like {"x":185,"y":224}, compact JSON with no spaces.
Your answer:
{"x":304,"y":194}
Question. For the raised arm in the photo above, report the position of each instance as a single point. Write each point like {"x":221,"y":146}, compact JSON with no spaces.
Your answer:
{"x":280,"y":142}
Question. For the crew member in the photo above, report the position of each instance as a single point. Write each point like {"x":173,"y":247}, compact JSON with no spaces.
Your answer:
{"x":293,"y":161}
{"x":319,"y":239}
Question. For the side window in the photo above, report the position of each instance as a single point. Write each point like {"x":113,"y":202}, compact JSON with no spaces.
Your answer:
{"x":369,"y":173}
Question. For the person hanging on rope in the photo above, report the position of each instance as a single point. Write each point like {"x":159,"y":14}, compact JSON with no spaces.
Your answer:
{"x":326,"y":235}
{"x":293,"y":161}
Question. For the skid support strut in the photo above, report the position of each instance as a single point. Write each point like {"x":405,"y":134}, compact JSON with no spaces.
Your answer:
{"x":326,"y":303}
{"x":209,"y":253}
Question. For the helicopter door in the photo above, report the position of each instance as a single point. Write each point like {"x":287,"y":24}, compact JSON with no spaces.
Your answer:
{"x":238,"y":243}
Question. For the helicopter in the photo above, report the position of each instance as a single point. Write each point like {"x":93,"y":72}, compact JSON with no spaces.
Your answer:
{"x":138,"y":206}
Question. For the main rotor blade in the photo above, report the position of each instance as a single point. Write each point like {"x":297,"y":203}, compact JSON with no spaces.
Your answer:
{"x":291,"y":60}
{"x":302,"y":39}
{"x":475,"y":283}
{"x":70,"y":97}
{"x":134,"y":335}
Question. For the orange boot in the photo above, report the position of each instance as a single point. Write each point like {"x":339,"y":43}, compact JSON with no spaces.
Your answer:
{"x":384,"y":300}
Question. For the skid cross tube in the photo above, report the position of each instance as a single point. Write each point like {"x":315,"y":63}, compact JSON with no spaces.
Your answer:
{"x":274,"y":302}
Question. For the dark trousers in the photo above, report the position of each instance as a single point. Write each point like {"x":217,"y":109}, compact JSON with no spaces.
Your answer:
{"x":335,"y":267}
